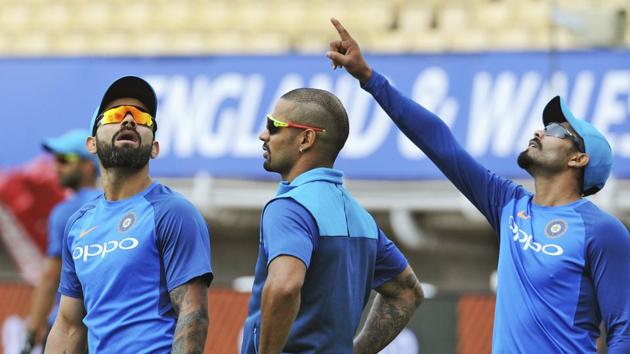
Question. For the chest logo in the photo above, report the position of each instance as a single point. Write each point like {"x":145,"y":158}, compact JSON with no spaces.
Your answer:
{"x":127,"y":222}
{"x":556,"y":228}
{"x":521,"y":214}
{"x":87,"y":231}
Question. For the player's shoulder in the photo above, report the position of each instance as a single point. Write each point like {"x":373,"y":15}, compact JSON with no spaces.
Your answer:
{"x":81,"y":212}
{"x":601,"y":224}
{"x":167,"y":201}
{"x":284,"y":207}
{"x":72,"y":204}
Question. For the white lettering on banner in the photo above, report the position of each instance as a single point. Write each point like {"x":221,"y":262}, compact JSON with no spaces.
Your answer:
{"x":247,"y":117}
{"x":431,"y":90}
{"x":498,"y":110}
{"x":222,"y":116}
{"x":611,"y":110}
{"x":176,"y":126}
{"x":521,"y":236}
{"x":94,"y":250}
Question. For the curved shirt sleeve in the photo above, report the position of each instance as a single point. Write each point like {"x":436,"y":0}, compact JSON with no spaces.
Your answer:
{"x":56,"y":227}
{"x":608,"y":254}
{"x":486,"y":190}
{"x":389,"y":261}
{"x":288,"y":229}
{"x":69,"y":284}
{"x":184,"y":242}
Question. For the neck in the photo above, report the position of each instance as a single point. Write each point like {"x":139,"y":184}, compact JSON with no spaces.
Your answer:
{"x":121,"y":183}
{"x":303,"y":166}
{"x":556,"y":190}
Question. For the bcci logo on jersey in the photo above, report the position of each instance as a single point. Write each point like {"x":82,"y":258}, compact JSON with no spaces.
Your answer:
{"x":523,"y":237}
{"x":101,"y":250}
{"x":556,"y":228}
{"x":126,"y":222}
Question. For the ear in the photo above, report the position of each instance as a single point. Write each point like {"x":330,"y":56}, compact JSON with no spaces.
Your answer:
{"x":307,"y":139}
{"x":578,"y":160}
{"x":155,"y":149}
{"x":90,"y":144}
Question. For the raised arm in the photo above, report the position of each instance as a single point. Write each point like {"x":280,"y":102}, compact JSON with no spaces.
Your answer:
{"x":280,"y":302}
{"x":393,"y":306}
{"x":68,"y":334}
{"x":484,"y":189}
{"x":190,"y":302}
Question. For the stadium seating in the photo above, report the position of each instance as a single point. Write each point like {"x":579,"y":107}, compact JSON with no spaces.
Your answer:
{"x":142,"y":27}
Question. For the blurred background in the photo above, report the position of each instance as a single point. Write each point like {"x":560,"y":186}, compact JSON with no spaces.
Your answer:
{"x":486,"y":67}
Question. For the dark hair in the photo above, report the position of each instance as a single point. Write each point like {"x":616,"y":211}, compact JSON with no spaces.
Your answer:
{"x":322,"y":109}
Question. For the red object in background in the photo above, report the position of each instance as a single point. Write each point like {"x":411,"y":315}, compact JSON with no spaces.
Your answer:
{"x":30,"y":193}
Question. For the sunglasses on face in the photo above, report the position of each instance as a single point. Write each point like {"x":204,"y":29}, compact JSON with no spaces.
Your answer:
{"x":274,"y":125}
{"x":118,"y":114}
{"x":556,"y":130}
{"x":63,"y":159}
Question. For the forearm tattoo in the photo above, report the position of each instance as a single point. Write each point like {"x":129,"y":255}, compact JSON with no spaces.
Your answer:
{"x":389,"y":314}
{"x":191,"y":306}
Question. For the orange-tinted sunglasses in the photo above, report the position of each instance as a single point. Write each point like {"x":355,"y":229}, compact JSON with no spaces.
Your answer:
{"x":273,"y":125}
{"x":117,"y":115}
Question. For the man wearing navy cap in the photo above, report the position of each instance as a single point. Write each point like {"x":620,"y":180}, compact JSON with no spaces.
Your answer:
{"x":136,"y":260}
{"x":564,"y":264}
{"x":76,"y":169}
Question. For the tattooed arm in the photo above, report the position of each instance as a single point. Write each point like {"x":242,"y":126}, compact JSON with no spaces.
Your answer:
{"x":68,"y":334}
{"x":393,"y":306}
{"x":190,"y":302}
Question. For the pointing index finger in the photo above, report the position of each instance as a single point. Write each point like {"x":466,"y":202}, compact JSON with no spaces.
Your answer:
{"x":340,"y":29}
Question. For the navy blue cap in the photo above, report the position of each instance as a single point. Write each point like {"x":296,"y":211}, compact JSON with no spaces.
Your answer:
{"x":595,"y":144}
{"x":72,"y":142}
{"x":131,"y":87}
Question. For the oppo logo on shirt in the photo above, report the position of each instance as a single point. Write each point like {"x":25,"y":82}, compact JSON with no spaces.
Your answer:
{"x":521,"y":236}
{"x":102,"y":249}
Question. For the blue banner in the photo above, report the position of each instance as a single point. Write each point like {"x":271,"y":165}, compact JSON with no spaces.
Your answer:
{"x":211,"y":109}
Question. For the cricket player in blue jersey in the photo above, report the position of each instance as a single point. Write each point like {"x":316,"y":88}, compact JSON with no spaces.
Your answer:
{"x":320,"y":253}
{"x":136,"y":260}
{"x":76,"y":170}
{"x":564,"y":264}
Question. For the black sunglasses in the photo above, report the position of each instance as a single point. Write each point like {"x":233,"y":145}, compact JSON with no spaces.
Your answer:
{"x":558,"y":131}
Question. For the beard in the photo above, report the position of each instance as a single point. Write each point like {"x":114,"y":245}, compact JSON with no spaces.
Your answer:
{"x":128,"y":157}
{"x":525,"y":161}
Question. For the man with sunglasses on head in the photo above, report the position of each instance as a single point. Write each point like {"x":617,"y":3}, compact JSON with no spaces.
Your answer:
{"x":76,"y":170}
{"x":564,"y":264}
{"x":320,"y":252}
{"x":136,"y":260}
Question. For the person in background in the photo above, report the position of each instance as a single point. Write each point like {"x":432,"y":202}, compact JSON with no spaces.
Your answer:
{"x":76,"y":170}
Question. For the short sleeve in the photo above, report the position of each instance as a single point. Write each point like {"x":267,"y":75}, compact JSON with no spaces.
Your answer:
{"x":69,"y":284}
{"x":56,"y":227}
{"x":288,"y":229}
{"x":389,"y":261}
{"x":183,"y":240}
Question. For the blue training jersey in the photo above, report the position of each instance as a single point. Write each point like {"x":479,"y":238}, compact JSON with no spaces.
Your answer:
{"x":346,"y":255}
{"x":57,"y":220}
{"x":562,"y":270}
{"x":124,"y":257}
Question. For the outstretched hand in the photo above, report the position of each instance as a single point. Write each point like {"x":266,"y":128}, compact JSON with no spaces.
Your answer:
{"x":346,"y":53}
